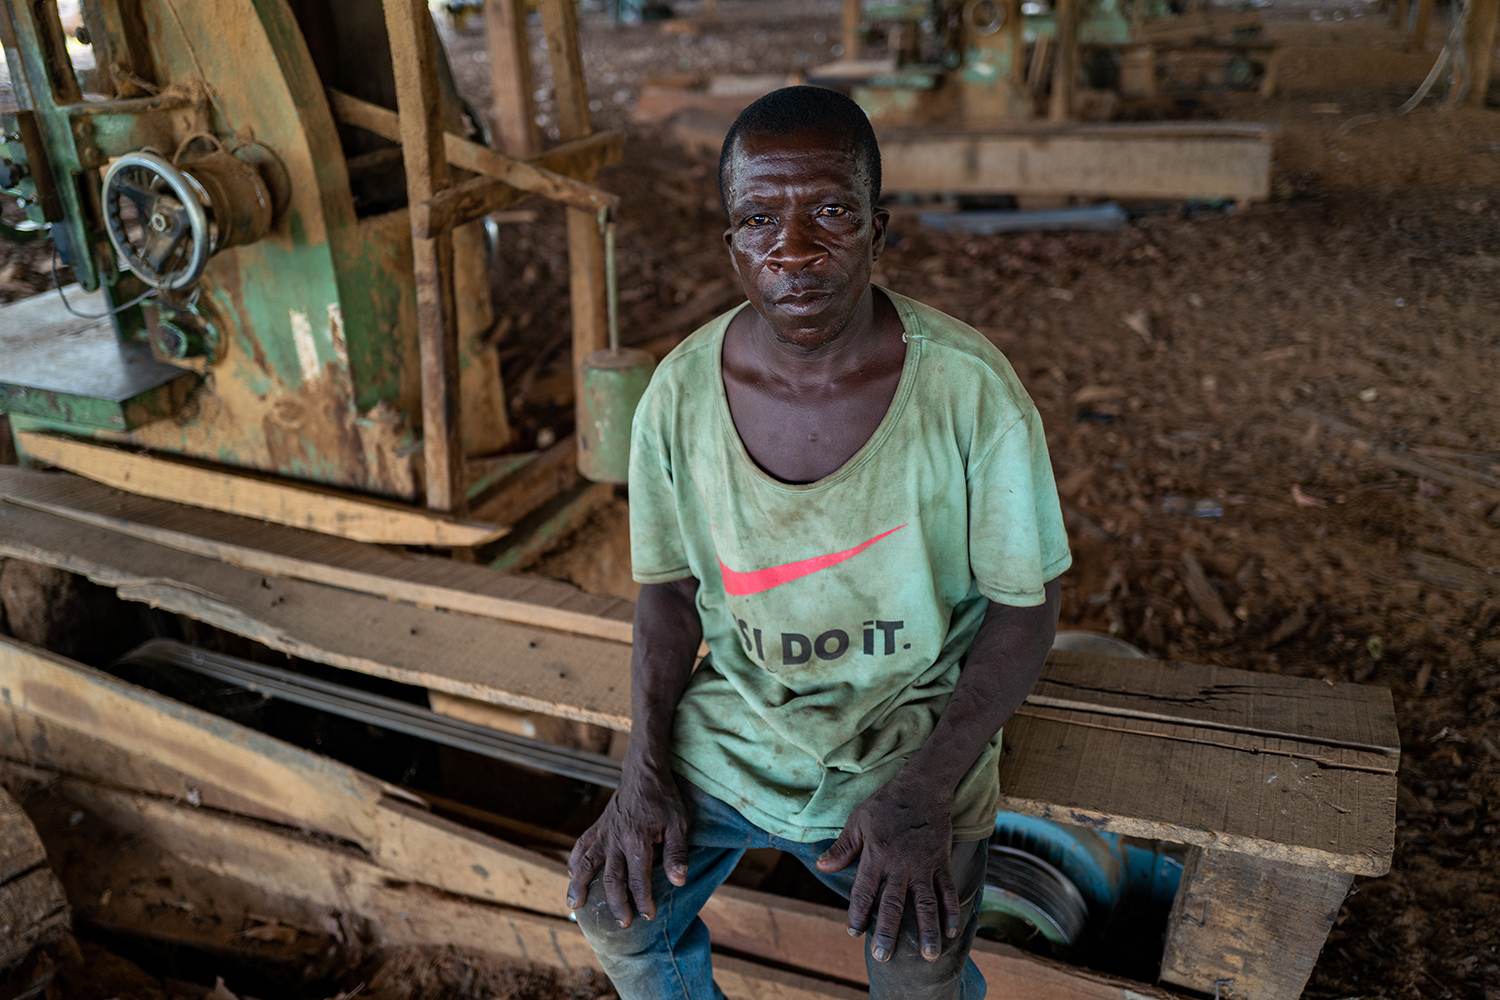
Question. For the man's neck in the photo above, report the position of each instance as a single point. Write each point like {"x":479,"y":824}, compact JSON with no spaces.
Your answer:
{"x":848,"y":350}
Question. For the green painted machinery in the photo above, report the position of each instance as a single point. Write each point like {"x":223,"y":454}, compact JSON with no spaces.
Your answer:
{"x":243,"y":262}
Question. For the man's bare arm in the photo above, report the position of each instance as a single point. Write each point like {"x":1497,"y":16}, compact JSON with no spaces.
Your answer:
{"x":905,"y":830}
{"x":646,"y":809}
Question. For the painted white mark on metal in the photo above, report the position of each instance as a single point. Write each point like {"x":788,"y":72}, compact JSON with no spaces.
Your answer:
{"x":336,"y":329}
{"x":307,"y":348}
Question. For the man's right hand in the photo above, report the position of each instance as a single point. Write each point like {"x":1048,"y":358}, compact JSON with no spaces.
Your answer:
{"x":645,"y":810}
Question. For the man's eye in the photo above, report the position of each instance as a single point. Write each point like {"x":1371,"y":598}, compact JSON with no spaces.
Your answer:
{"x":833,"y":211}
{"x":758,"y":220}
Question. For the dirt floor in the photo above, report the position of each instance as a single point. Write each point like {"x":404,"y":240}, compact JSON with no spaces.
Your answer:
{"x":1299,"y":397}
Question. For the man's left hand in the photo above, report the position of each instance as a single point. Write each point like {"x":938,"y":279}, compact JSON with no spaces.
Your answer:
{"x":903,"y":835}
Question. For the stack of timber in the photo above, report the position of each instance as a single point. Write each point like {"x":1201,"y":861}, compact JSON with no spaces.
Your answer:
{"x":1283,"y":787}
{"x":32,"y":905}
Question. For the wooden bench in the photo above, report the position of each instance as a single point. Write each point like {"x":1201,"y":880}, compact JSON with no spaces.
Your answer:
{"x":1284,"y":788}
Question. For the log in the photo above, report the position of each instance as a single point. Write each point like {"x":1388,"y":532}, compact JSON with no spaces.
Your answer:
{"x":32,"y":904}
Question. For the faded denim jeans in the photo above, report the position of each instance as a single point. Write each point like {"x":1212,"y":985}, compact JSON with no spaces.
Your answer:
{"x":668,"y":958}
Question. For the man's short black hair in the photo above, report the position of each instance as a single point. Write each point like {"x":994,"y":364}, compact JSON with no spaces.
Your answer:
{"x":791,"y":109}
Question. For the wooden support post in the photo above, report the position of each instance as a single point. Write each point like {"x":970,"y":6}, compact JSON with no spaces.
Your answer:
{"x":1400,"y":14}
{"x":511,"y":78}
{"x":1479,"y":44}
{"x":585,"y":242}
{"x":1263,"y":926}
{"x":853,"y":15}
{"x":1424,"y":21}
{"x":419,"y":102}
{"x":1065,"y":61}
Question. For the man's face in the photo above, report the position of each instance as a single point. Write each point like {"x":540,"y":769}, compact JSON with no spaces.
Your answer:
{"x":802,"y":234}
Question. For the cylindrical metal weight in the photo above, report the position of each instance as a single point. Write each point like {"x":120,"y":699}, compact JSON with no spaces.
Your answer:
{"x":613,"y":382}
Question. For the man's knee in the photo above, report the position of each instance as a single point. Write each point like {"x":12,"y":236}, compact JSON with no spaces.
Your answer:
{"x":603,"y":931}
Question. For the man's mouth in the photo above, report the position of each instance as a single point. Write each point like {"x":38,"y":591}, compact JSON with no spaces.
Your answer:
{"x":805,"y":300}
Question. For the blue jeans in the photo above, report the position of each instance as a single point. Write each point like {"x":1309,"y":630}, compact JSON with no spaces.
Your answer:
{"x":668,"y":958}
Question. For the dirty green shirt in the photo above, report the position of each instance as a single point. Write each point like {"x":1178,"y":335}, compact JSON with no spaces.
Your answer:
{"x":838,"y":613}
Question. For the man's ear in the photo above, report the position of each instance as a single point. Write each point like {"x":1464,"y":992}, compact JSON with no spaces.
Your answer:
{"x":879,"y":220}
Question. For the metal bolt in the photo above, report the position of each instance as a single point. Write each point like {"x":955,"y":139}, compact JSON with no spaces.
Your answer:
{"x":160,"y":222}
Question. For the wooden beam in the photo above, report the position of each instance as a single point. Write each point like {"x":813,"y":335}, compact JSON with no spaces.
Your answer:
{"x":532,"y":178}
{"x":297,"y":504}
{"x":530,"y":669}
{"x":315,"y":792}
{"x":586,"y":284}
{"x":1064,"y":60}
{"x":1166,"y":160}
{"x":1257,"y":923}
{"x":550,"y":474}
{"x":511,"y":80}
{"x":171,"y":746}
{"x":339,"y":562}
{"x":1422,"y":26}
{"x":420,"y":103}
{"x":853,"y":14}
{"x":1479,"y":44}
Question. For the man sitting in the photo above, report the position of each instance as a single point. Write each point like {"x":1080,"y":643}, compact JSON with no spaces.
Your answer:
{"x":847,"y":494}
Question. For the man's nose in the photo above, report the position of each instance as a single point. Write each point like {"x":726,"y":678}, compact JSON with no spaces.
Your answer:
{"x":799,"y":247}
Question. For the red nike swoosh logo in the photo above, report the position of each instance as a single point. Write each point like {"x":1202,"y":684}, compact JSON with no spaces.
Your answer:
{"x":761,"y":580}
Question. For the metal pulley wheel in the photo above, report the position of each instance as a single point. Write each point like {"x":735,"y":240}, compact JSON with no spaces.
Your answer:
{"x":165,"y":221}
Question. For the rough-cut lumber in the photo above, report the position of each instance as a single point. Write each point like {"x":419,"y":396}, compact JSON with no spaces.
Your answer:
{"x":31,"y":900}
{"x":529,"y":669}
{"x":407,"y":844}
{"x":511,"y":77}
{"x":1255,"y":922}
{"x":1353,"y":715}
{"x":414,"y":49}
{"x":340,"y":562}
{"x":533,"y":178}
{"x":283,"y":502}
{"x":1168,"y":160}
{"x":548,"y":474}
{"x":319,"y":793}
{"x":586,"y":280}
{"x":1262,"y":804}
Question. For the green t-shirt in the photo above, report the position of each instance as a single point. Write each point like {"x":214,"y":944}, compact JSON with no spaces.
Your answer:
{"x":838,"y":613}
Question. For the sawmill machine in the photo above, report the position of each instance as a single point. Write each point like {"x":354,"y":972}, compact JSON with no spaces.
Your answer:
{"x":242,"y":285}
{"x":979,"y":64}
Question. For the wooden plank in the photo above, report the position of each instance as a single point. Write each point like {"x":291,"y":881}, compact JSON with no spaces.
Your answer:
{"x":1106,"y":161}
{"x":1256,"y":923}
{"x":853,"y":13}
{"x":1064,"y":61}
{"x":1260,"y":804}
{"x":420,"y":103}
{"x":1322,"y":756}
{"x":481,"y":196}
{"x":586,"y":285}
{"x":1479,"y":45}
{"x":532,"y":178}
{"x":482,"y":658}
{"x":511,"y":78}
{"x":319,"y":793}
{"x":339,"y":562}
{"x":1422,"y":26}
{"x":280,"y":501}
{"x":549,"y":474}
{"x":1357,"y":716}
